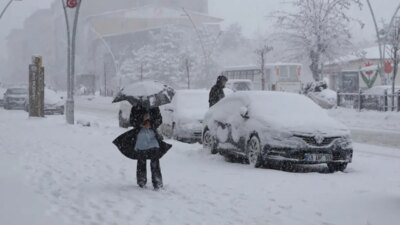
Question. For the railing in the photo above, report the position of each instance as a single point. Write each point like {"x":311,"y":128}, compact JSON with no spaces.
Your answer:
{"x":365,"y":101}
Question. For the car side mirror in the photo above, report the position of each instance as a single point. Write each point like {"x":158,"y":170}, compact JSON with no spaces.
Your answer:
{"x":244,"y":112}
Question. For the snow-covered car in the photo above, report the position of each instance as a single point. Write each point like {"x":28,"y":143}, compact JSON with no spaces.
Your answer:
{"x":53,"y":103}
{"x":320,"y":94}
{"x":14,"y":98}
{"x":326,"y":98}
{"x":274,"y":127}
{"x":124,"y":114}
{"x":183,"y":117}
{"x":239,"y":85}
{"x":374,"y":98}
{"x":2,"y":91}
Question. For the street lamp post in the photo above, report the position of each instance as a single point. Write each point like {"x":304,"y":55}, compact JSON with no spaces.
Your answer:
{"x":6,"y":7}
{"x":68,"y":6}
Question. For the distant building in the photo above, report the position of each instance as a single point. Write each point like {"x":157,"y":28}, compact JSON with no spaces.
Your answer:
{"x":116,"y":31}
{"x":354,"y":72}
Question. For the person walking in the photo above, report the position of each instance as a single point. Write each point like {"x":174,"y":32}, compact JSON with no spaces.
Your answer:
{"x":217,"y":91}
{"x":145,"y":123}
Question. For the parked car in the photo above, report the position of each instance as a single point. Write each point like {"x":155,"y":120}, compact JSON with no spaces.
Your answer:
{"x":14,"y":98}
{"x":183,"y":117}
{"x":53,"y":103}
{"x":274,"y":127}
{"x":320,"y":94}
{"x":239,"y":85}
{"x":2,"y":91}
{"x":374,"y":98}
{"x":124,"y":114}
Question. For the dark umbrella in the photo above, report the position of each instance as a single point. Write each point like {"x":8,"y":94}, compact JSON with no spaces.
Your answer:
{"x":150,"y":94}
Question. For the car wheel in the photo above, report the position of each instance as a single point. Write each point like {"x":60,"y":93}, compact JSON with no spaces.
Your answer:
{"x":121,"y":120}
{"x":209,"y":142}
{"x":254,"y":152}
{"x":6,"y":107}
{"x":335,"y":167}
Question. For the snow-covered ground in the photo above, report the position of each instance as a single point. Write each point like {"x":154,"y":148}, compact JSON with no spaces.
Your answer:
{"x":75,"y":175}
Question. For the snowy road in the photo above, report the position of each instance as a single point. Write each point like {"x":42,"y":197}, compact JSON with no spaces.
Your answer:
{"x":80,"y":178}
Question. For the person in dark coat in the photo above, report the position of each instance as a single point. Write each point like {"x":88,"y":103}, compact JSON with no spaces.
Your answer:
{"x":145,"y":122}
{"x":217,"y":91}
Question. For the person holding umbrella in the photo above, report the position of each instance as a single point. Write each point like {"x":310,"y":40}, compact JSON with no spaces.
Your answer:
{"x":143,"y":142}
{"x":147,"y":141}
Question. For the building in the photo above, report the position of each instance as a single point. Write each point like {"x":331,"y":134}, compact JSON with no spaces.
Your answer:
{"x":111,"y":33}
{"x":354,"y":72}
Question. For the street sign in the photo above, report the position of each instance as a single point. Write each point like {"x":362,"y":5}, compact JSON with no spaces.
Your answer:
{"x":72,"y":3}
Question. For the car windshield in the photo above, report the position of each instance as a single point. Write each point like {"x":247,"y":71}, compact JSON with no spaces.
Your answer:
{"x":18,"y":91}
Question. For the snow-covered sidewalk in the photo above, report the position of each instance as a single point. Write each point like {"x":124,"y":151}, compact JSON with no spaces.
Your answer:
{"x":81,"y":178}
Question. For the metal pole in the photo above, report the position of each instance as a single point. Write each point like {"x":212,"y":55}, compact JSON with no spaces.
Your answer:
{"x":381,"y":54}
{"x":389,"y":29}
{"x":201,"y":40}
{"x":5,"y":8}
{"x":71,"y":61}
{"x":105,"y":79}
{"x":69,"y":103}
{"x":116,"y":66}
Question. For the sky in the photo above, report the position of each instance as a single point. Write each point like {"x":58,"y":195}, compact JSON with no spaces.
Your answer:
{"x":251,"y":14}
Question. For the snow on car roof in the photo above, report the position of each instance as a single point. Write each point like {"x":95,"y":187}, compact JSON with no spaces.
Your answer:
{"x":287,"y":109}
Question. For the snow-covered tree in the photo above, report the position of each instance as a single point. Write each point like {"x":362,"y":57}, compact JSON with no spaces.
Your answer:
{"x":318,"y":30}
{"x":166,"y":55}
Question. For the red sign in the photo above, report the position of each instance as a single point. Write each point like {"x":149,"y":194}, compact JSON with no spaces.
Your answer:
{"x":388,"y":67}
{"x":369,"y":73}
{"x":72,"y":3}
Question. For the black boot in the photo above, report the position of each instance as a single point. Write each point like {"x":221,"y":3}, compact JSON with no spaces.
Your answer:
{"x":141,"y":173}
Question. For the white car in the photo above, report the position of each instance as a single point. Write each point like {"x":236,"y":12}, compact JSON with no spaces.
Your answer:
{"x":274,"y":127}
{"x":239,"y":85}
{"x":183,"y":117}
{"x":53,"y":103}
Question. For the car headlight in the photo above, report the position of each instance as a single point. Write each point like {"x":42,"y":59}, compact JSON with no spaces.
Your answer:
{"x":344,"y":142}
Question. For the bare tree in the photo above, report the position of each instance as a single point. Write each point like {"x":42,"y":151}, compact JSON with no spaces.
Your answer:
{"x":262,"y":52}
{"x":319,"y":30}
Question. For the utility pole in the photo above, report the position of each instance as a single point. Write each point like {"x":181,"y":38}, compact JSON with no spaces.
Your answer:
{"x":187,"y":65}
{"x":262,"y":52}
{"x":141,"y":71}
{"x":71,"y":7}
{"x":105,"y":79}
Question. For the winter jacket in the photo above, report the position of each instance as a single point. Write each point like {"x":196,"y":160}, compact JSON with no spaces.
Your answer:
{"x":216,"y":94}
{"x":127,"y":141}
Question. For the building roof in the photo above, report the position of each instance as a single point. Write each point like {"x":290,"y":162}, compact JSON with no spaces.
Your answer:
{"x":366,"y":53}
